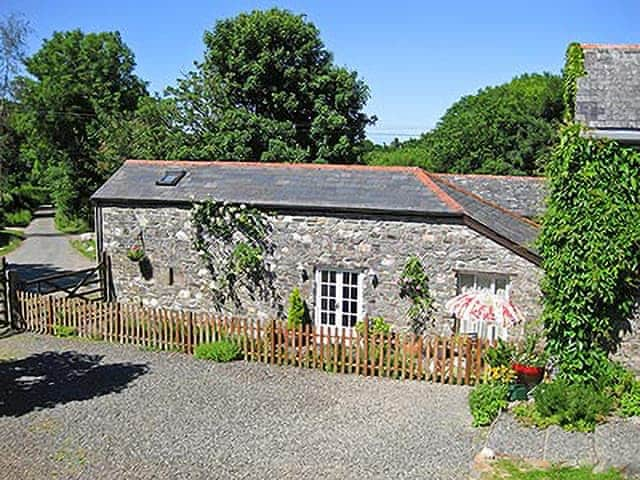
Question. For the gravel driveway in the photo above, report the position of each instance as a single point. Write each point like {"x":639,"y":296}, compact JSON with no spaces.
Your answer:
{"x":93,"y":410}
{"x":45,"y":250}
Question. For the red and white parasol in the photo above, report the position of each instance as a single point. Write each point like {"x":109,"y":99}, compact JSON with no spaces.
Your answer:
{"x":486,"y":306}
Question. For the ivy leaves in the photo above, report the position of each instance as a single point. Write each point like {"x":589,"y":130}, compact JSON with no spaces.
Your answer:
{"x":590,"y":245}
{"x":232,"y":240}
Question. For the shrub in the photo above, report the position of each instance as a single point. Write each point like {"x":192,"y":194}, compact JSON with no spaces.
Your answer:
{"x":66,"y":224}
{"x":630,"y":401}
{"x":298,"y":314}
{"x":501,"y":355}
{"x":486,"y":401}
{"x":224,"y":350}
{"x":574,"y":406}
{"x":19,"y":218}
{"x":614,"y":378}
{"x":63,"y":331}
{"x":377,"y":325}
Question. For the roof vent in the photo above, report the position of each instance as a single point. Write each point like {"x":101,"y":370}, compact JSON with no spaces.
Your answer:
{"x":170,"y":178}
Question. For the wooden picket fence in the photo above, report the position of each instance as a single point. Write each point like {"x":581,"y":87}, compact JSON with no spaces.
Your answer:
{"x":453,"y":360}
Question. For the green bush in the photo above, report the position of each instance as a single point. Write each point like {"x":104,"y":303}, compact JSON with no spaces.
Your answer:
{"x":574,"y":406}
{"x":500,"y":355}
{"x":630,"y":401}
{"x":63,"y":331}
{"x":486,"y":401}
{"x":224,"y":350}
{"x":377,"y":325}
{"x":298,"y":314}
{"x":25,"y":197}
{"x":67,"y":224}
{"x":19,"y":218}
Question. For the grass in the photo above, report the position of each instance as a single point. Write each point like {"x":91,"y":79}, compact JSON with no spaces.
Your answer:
{"x":85,"y":247}
{"x":9,"y":241}
{"x":507,"y":469}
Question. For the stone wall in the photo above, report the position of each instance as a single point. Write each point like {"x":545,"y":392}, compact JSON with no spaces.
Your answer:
{"x":300,"y":243}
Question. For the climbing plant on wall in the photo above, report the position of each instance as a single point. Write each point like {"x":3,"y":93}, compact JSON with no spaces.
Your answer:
{"x":414,"y":285}
{"x":232,"y":240}
{"x":590,"y":247}
{"x":573,"y":69}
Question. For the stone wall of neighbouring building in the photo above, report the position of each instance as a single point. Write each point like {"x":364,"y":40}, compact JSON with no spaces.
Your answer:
{"x":379,"y":247}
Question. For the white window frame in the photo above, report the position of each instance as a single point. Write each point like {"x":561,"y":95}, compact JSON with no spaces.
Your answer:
{"x":484,"y":330}
{"x":338,"y":327}
{"x":492,"y":276}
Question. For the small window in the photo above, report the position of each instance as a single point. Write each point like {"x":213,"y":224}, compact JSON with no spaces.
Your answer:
{"x":496,"y":283}
{"x":170,"y":178}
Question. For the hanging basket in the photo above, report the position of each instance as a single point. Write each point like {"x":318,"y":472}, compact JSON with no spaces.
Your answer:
{"x":136,"y":253}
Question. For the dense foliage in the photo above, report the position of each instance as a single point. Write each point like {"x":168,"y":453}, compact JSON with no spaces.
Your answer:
{"x":75,"y":82}
{"x":590,"y":247}
{"x":508,"y":129}
{"x":268,"y":90}
{"x":573,"y":69}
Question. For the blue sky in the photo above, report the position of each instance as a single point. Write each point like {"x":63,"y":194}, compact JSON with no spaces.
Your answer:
{"x":417,"y":56}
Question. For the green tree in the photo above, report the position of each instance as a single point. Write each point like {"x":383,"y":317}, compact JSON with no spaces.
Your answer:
{"x":14,"y":31}
{"x":77,"y":82}
{"x":268,"y":90}
{"x":508,"y":129}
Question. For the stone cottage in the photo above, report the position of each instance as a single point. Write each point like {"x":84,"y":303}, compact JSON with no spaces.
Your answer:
{"x":341,"y":234}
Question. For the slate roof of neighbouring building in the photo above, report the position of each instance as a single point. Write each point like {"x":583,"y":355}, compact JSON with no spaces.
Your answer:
{"x":344,"y":188}
{"x":522,"y":195}
{"x":608,"y":95}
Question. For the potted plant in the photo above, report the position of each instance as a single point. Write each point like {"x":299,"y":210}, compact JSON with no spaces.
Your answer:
{"x":530,"y":360}
{"x":135,"y":253}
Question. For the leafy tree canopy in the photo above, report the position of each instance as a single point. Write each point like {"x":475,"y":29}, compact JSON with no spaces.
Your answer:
{"x":268,"y":90}
{"x":76,"y":82}
{"x":508,"y":129}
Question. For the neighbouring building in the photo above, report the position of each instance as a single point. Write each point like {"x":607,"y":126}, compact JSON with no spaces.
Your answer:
{"x":341,"y":234}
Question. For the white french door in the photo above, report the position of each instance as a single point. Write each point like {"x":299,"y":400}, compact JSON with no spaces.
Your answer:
{"x":338,"y":298}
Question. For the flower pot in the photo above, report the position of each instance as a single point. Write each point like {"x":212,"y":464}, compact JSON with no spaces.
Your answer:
{"x":527,"y":374}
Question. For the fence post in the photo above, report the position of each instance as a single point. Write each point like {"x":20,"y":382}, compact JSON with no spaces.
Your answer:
{"x":13,"y":306}
{"x":365,"y":324}
{"x":50,"y":315}
{"x":273,"y":340}
{"x":4,"y":293}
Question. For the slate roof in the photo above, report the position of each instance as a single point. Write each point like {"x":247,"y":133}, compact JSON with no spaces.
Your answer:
{"x":280,"y":185}
{"x":608,"y":96}
{"x":504,"y":222}
{"x":342,"y":188}
{"x":523,"y":195}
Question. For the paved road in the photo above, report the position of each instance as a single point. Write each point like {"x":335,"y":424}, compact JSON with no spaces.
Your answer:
{"x":92,"y":410}
{"x":46,"y":251}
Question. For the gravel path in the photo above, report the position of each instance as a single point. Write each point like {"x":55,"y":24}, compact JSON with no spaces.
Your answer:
{"x":45,"y":250}
{"x":93,"y":410}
